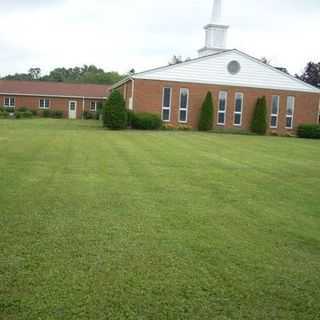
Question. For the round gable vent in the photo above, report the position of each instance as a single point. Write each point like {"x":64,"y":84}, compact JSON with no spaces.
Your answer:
{"x":234,"y":67}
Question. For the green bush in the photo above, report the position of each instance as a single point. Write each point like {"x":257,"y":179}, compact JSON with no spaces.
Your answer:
{"x":57,"y":114}
{"x":87,"y":115}
{"x":23,"y":109}
{"x":23,"y":114}
{"x":206,"y":114}
{"x":114,"y":112}
{"x":130,"y":115}
{"x":4,"y":114}
{"x":46,"y":113}
{"x":259,"y":119}
{"x":10,"y":109}
{"x":145,"y":121}
{"x":309,"y":131}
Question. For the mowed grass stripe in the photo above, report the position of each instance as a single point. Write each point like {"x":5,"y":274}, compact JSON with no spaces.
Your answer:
{"x":156,"y":225}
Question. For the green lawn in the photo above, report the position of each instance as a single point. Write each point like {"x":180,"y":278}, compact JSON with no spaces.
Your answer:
{"x":156,"y":225}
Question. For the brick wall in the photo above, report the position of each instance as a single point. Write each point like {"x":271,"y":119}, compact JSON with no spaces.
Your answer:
{"x":148,"y":98}
{"x":58,"y":104}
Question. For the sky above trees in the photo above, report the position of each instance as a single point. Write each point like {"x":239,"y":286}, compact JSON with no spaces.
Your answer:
{"x":124,"y":34}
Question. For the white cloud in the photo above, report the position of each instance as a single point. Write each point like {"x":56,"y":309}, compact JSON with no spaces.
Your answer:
{"x":123,"y":34}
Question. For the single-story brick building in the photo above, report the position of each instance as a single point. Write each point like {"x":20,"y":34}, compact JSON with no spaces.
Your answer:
{"x":71,"y":99}
{"x":235,"y":79}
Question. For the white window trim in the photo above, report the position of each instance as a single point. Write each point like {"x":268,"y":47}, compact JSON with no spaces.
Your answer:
{"x":43,"y":108}
{"x":166,"y":108}
{"x":293,"y":110}
{"x":184,"y":109}
{"x":9,"y":106}
{"x":275,"y":114}
{"x":95,"y":106}
{"x":225,"y":109}
{"x":238,"y":112}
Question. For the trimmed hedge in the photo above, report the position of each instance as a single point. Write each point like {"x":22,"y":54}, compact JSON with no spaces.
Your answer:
{"x":23,"y":114}
{"x":309,"y":131}
{"x":114,"y":112}
{"x":145,"y":121}
{"x":259,"y":119}
{"x":4,"y":114}
{"x":56,"y":114}
{"x":206,"y":114}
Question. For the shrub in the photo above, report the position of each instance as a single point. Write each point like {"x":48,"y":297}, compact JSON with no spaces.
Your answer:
{"x":23,"y":109}
{"x":87,"y":115}
{"x":259,"y":119}
{"x":9,"y":109}
{"x":23,"y":114}
{"x":114,"y":112}
{"x":46,"y":113}
{"x":309,"y":131}
{"x":57,"y":114}
{"x":34,"y":112}
{"x":206,"y":114}
{"x":146,"y":121}
{"x":130,"y":116}
{"x":4,"y":114}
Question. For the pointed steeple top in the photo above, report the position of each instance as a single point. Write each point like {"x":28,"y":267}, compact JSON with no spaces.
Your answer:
{"x":216,"y":12}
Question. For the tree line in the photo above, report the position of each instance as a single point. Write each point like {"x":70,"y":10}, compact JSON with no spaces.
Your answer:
{"x":84,"y":74}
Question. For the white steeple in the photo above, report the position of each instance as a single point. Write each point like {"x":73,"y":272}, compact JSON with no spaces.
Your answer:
{"x":216,"y":33}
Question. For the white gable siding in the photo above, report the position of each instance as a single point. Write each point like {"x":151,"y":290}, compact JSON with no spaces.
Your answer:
{"x":213,"y":70}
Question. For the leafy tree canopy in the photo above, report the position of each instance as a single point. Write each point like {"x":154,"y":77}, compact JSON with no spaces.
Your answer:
{"x":311,"y":74}
{"x":84,"y":74}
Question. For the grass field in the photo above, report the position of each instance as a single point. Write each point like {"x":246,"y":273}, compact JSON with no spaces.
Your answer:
{"x":156,"y":225}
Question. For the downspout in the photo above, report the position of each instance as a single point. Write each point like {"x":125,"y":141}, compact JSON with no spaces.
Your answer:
{"x":132,"y":94}
{"x":83,"y":107}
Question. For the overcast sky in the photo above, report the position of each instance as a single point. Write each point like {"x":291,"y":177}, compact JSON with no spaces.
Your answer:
{"x":124,"y":34}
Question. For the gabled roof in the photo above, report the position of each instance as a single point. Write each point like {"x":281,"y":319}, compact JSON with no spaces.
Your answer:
{"x":213,"y":69}
{"x":53,"y":89}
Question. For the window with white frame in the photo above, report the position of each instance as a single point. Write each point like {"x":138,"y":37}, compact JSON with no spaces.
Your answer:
{"x":290,"y":112}
{"x":184,"y":105}
{"x":238,"y":109}
{"x":93,"y":106}
{"x":44,"y":103}
{"x":166,"y":104}
{"x":222,"y":107}
{"x":9,"y":102}
{"x":274,"y":112}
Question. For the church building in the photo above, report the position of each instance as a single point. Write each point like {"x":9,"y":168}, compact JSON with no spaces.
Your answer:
{"x":235,"y":79}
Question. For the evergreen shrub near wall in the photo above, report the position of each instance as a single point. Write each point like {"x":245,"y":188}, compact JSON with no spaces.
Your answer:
{"x":259,"y":119}
{"x":23,"y":114}
{"x":55,"y":114}
{"x":309,"y":131}
{"x":145,"y":121}
{"x":114,"y":112}
{"x":4,"y":114}
{"x":206,"y":114}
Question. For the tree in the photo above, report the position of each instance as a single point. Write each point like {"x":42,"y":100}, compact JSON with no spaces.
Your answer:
{"x":115,"y":115}
{"x":206,"y":114}
{"x":259,"y":119}
{"x":311,"y":74}
{"x":84,"y":74}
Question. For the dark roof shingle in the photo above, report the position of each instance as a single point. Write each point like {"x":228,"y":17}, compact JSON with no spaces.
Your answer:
{"x":60,"y":89}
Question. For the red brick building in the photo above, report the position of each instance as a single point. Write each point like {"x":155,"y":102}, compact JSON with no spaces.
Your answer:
{"x":235,"y":79}
{"x":71,"y":99}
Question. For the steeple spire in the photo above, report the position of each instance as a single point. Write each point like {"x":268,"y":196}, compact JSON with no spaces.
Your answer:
{"x":216,"y":12}
{"x":216,"y":33}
